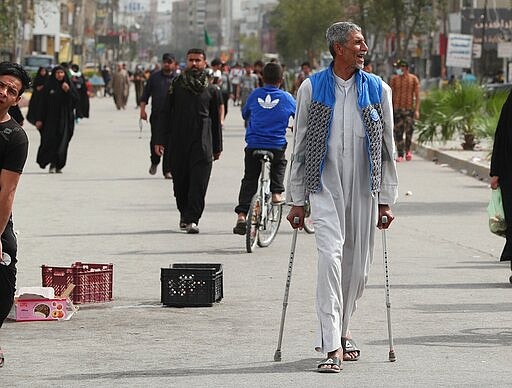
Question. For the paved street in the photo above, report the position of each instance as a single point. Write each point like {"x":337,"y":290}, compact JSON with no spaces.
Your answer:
{"x":451,"y":299}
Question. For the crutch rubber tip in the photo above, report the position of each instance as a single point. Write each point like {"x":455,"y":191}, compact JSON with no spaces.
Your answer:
{"x":277,"y":355}
{"x":392,"y":356}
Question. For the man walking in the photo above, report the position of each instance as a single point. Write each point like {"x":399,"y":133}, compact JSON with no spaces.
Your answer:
{"x":156,"y":88}
{"x":406,"y":106}
{"x":190,"y":129}
{"x":13,"y":155}
{"x":120,"y":87}
{"x":223,"y":82}
{"x":343,"y":159}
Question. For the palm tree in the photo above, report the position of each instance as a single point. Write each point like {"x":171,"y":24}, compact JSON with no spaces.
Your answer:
{"x":462,"y":109}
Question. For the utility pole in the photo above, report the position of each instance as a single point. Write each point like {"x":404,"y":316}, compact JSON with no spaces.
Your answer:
{"x":78,"y":32}
{"x":483,"y":59}
{"x":27,"y":20}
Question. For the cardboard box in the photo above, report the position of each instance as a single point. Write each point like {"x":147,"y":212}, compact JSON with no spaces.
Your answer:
{"x":40,"y":304}
{"x":39,"y":309}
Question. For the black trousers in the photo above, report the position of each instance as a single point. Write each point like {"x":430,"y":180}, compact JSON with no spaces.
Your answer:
{"x":252,"y":171}
{"x":8,"y":273}
{"x":225,"y":98}
{"x":155,"y":159}
{"x":506,"y":194}
{"x":190,"y":182}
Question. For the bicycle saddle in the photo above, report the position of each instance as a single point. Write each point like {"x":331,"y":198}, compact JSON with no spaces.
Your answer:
{"x":262,"y":153}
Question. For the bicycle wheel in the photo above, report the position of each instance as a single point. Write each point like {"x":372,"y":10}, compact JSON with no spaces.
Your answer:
{"x":253,"y":223}
{"x":270,"y":224}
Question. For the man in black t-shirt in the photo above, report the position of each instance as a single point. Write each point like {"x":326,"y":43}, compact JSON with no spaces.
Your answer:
{"x":13,"y":154}
{"x":156,"y":88}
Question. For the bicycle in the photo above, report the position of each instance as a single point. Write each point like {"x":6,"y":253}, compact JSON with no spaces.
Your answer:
{"x":263,"y":217}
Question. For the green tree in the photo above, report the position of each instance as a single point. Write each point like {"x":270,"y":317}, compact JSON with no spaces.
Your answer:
{"x":301,"y":25}
{"x":410,"y":18}
{"x":9,"y":19}
{"x":375,"y":20}
{"x":403,"y":18}
{"x":252,"y":50}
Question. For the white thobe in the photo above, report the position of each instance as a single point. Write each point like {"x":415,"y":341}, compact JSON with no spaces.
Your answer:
{"x":343,"y":211}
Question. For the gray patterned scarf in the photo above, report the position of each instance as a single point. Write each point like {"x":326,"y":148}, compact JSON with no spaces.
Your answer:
{"x":193,"y":80}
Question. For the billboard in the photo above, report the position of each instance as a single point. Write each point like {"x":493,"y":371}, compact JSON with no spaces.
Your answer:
{"x":134,"y":6}
{"x":459,"y":50}
{"x":46,"y":17}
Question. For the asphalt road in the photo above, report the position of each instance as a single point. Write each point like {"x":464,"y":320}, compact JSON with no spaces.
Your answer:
{"x":451,"y":299}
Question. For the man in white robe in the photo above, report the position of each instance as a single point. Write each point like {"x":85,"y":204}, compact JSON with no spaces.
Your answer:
{"x":355,"y":185}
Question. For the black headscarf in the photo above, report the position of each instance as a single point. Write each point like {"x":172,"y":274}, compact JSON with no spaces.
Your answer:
{"x":53,"y":86}
{"x":54,"y":72}
{"x":40,"y":79}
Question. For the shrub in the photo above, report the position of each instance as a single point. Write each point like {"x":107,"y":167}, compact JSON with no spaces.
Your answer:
{"x":463,"y":110}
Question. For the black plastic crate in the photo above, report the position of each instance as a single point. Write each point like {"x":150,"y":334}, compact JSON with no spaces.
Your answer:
{"x":186,"y":284}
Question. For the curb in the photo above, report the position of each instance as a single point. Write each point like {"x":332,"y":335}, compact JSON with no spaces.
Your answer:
{"x":476,"y":170}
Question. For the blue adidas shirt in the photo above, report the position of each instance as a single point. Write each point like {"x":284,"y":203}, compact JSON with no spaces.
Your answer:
{"x":268,"y":110}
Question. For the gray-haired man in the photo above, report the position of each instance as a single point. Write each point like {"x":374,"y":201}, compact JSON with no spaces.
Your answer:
{"x":343,"y":159}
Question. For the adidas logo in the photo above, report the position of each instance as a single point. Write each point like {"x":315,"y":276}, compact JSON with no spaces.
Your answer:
{"x":268,"y":103}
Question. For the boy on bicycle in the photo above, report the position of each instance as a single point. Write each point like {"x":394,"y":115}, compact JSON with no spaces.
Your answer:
{"x":267,"y":111}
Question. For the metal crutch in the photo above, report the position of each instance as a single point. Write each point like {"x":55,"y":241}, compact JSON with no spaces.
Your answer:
{"x":392,"y":355}
{"x":277,"y":354}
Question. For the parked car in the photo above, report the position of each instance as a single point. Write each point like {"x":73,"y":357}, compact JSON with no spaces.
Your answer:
{"x":498,"y":87}
{"x":32,"y":63}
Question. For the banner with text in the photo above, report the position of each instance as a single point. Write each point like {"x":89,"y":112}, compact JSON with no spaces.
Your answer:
{"x":459,"y":50}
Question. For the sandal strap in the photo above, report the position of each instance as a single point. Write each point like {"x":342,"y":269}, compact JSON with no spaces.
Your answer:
{"x":349,"y":345}
{"x":331,"y":361}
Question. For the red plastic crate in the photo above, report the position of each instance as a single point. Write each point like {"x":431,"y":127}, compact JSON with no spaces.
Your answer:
{"x":93,"y":282}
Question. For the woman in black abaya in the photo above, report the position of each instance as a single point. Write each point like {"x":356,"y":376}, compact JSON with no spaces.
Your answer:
{"x":37,"y":91}
{"x":55,"y":120}
{"x":501,"y":170}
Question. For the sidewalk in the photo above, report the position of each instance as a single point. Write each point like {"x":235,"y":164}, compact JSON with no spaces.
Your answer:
{"x":450,"y":298}
{"x":475,"y":163}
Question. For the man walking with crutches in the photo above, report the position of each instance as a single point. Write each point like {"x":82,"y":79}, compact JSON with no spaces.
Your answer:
{"x":343,"y":158}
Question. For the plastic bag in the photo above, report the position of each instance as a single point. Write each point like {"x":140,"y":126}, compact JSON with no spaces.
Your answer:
{"x":497,"y":223}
